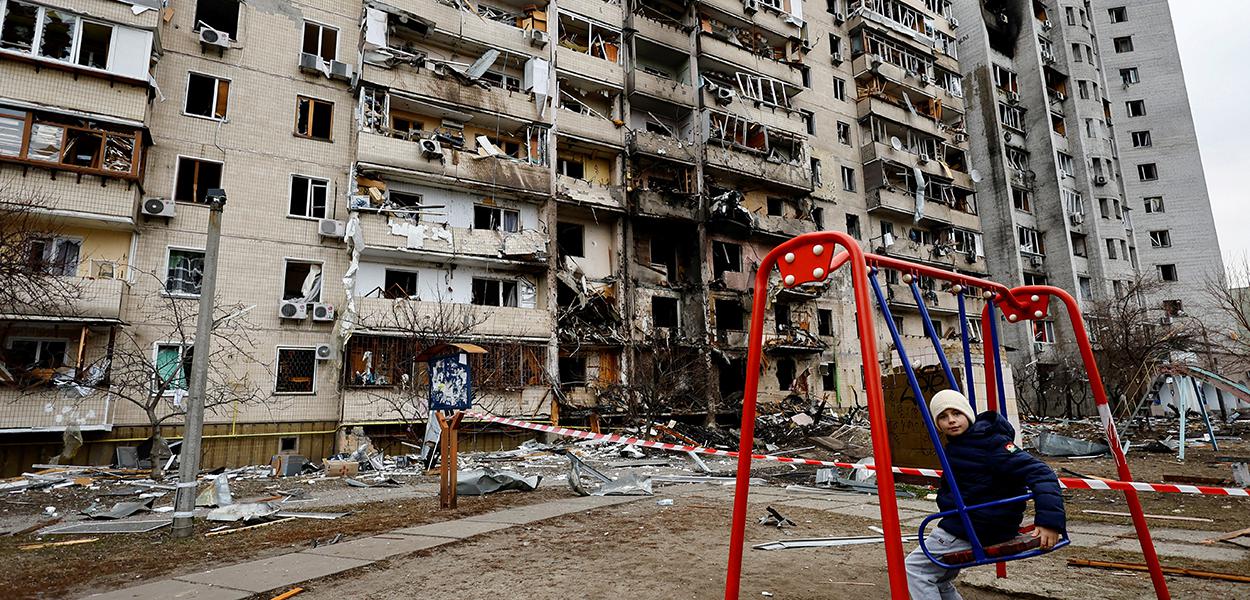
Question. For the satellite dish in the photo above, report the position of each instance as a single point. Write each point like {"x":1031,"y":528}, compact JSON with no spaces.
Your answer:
{"x":976,"y":176}
{"x":896,"y":143}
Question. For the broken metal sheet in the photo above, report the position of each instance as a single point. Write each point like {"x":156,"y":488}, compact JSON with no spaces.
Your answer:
{"x":920,"y":188}
{"x":1053,"y":444}
{"x":628,"y":484}
{"x":775,"y":518}
{"x":702,"y":479}
{"x":659,"y":462}
{"x":479,"y":66}
{"x":826,"y":542}
{"x":698,"y":462}
{"x":245,"y":511}
{"x":217,"y":494}
{"x":479,"y":482}
{"x":120,"y":510}
{"x":105,"y":527}
{"x":388,"y":482}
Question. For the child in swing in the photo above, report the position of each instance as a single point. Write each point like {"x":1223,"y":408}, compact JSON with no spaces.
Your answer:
{"x":987,"y":466}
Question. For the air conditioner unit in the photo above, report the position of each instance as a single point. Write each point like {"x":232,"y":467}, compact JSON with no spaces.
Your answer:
{"x":1036,"y":261}
{"x":724,"y":95}
{"x":953,"y":21}
{"x":309,"y":63}
{"x":750,"y":6}
{"x":1013,"y":97}
{"x":322,"y":312}
{"x":158,"y":207}
{"x":1100,"y":180}
{"x":539,"y":38}
{"x":331,"y":228}
{"x":1047,"y":25}
{"x":960,"y":138}
{"x":837,"y":57}
{"x":324,"y":352}
{"x":1060,"y":96}
{"x":212,"y":37}
{"x":341,"y":70}
{"x":293,"y":309}
{"x":839,"y":18}
{"x":1077,"y":218}
{"x":430,"y":148}
{"x":1048,"y":57}
{"x":924,"y":79}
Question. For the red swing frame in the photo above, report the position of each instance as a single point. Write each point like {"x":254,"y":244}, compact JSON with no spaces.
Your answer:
{"x":811,"y":258}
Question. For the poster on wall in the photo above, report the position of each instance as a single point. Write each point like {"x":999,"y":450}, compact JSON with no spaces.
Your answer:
{"x":450,"y":384}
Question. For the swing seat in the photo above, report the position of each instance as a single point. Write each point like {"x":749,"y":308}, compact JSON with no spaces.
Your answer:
{"x":1022,"y":546}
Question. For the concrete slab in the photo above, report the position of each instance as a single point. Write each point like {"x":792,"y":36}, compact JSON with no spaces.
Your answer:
{"x":458,"y":529}
{"x":1089,"y":540}
{"x":264,"y":575}
{"x":1101,"y":529}
{"x":380,"y":547}
{"x":169,"y":589}
{"x":1194,"y":551}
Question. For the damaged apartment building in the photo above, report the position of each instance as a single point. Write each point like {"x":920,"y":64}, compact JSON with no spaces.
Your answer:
{"x":584,"y":189}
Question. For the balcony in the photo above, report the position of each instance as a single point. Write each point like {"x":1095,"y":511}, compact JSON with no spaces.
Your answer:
{"x":664,"y":33}
{"x":902,"y":202}
{"x":936,"y":300}
{"x":663,"y":146}
{"x":423,"y":82}
{"x":878,"y":151}
{"x":456,"y":167}
{"x":495,"y":321}
{"x":590,"y":128}
{"x":591,"y":68}
{"x":666,"y":205}
{"x":460,"y":24}
{"x":396,"y":237}
{"x":88,"y":200}
{"x":764,"y":17}
{"x":929,"y":254}
{"x":609,"y":14}
{"x":98,"y":300}
{"x":664,"y":89}
{"x":784,"y":226}
{"x":797,"y":177}
{"x":776,"y":118}
{"x":745,"y":59}
{"x":586,"y":193}
{"x":900,"y":114}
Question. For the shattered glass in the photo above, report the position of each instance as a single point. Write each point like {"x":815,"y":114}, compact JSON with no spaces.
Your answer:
{"x":57,"y":41}
{"x":119,"y":153}
{"x":45,"y":142}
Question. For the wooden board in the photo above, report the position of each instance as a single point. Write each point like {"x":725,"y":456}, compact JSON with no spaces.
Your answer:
{"x":910,"y":445}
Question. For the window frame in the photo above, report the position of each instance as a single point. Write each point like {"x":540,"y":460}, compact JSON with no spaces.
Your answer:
{"x":1117,"y":14}
{"x":501,"y":221}
{"x":312,"y":113}
{"x":277,"y":362}
{"x":1129,"y":108}
{"x":1160,"y":238}
{"x":75,"y":46}
{"x":186,"y":95}
{"x":171,"y":389}
{"x":308,"y":197}
{"x":1161,"y":269}
{"x":32,"y":118}
{"x":1141,"y":171}
{"x":502,"y":295}
{"x":1150,"y":207}
{"x":165,"y":288}
{"x":321,"y":38}
{"x":286,"y":264}
{"x":40,"y":340}
{"x":178,"y":171}
{"x":233,"y":37}
{"x":848,"y":182}
{"x":1141,"y":136}
{"x":1116,"y":44}
{"x":55,"y":241}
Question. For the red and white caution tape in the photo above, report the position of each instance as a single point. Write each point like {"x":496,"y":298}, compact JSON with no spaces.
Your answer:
{"x":1067,"y":482}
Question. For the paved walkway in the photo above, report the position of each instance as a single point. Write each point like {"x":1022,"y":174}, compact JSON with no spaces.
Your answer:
{"x":243,"y":580}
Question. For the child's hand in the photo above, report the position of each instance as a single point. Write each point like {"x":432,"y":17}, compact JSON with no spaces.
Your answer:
{"x":1049,"y":537}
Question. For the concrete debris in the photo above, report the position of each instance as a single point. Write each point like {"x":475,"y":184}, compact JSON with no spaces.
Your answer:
{"x":245,"y":511}
{"x":479,"y":482}
{"x":383,"y":482}
{"x":1053,"y":444}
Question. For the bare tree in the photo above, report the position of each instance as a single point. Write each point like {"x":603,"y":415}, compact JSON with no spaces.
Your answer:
{"x":1229,"y":297}
{"x":150,"y":363}
{"x":1054,"y":389}
{"x":665,"y":377}
{"x":36,"y":273}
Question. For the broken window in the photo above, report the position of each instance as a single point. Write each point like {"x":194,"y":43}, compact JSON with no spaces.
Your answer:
{"x":321,"y":41}
{"x":297,"y":371}
{"x":195,"y":177}
{"x":570,"y":239}
{"x":571,"y":167}
{"x":93,"y":44}
{"x":844,"y":133}
{"x":1118,"y":14}
{"x":1173,"y":308}
{"x":1030,"y":240}
{"x":776,"y":206}
{"x":572,"y":371}
{"x":729,"y":315}
{"x":1148,"y":172}
{"x":493,"y":218}
{"x":785,"y":373}
{"x":1086,"y":286}
{"x":399,"y":284}
{"x":1005,"y":79}
{"x":1073,"y":202}
{"x":173,"y":367}
{"x":1123,"y":44}
{"x":302,"y":281}
{"x":1044,"y":332}
{"x":1067,"y":167}
{"x":1154,"y":204}
{"x":664,"y":312}
{"x":852,"y":226}
{"x":1141,"y":139}
{"x":1161,"y":238}
{"x":824,"y":321}
{"x":1078,"y":245}
{"x":1167,"y":272}
{"x":1129,"y":76}
{"x":288,"y":445}
{"x":1113,"y":249}
{"x":494,"y":292}
{"x":1021,"y":199}
{"x":839,"y":89}
{"x":663,"y":252}
{"x":184,"y":272}
{"x":848,"y":179}
{"x":781,"y":315}
{"x":1011,"y":116}
{"x":308,"y":197}
{"x":222,"y":15}
{"x":55,"y":256}
{"x":35,"y":353}
{"x":1082,"y":89}
{"x":374,"y":361}
{"x":314,"y":118}
{"x":1135,"y":108}
{"x":56,"y":39}
{"x":726,"y":257}
{"x":207,"y":96}
{"x":20,"y":23}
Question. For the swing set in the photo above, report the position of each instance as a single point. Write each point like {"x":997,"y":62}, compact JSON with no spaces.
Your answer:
{"x":811,"y":258}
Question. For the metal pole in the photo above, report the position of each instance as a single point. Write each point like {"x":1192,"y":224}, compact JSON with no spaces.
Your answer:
{"x":189,"y":455}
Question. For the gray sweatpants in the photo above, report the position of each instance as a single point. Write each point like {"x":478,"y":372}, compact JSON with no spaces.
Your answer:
{"x":927,"y":581}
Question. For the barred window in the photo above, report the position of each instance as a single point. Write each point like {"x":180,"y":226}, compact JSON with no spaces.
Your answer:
{"x":297,"y":371}
{"x":184,"y":274}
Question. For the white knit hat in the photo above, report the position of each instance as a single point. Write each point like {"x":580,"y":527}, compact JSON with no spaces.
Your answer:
{"x":951,"y":399}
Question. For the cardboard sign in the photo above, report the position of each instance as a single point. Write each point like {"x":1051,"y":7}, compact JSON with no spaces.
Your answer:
{"x":910,"y":445}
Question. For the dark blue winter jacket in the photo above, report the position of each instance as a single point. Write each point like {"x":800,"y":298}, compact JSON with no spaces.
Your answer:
{"x":988,"y":466}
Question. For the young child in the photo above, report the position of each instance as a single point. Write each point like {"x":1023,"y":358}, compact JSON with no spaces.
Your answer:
{"x":987,"y":466}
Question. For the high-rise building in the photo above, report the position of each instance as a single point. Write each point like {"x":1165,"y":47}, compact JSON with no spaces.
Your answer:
{"x":1164,"y":182}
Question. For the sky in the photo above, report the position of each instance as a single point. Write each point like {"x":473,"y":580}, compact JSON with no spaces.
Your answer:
{"x":1214,"y":49}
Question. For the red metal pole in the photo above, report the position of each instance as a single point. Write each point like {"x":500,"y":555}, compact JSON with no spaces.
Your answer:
{"x":1113,"y":438}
